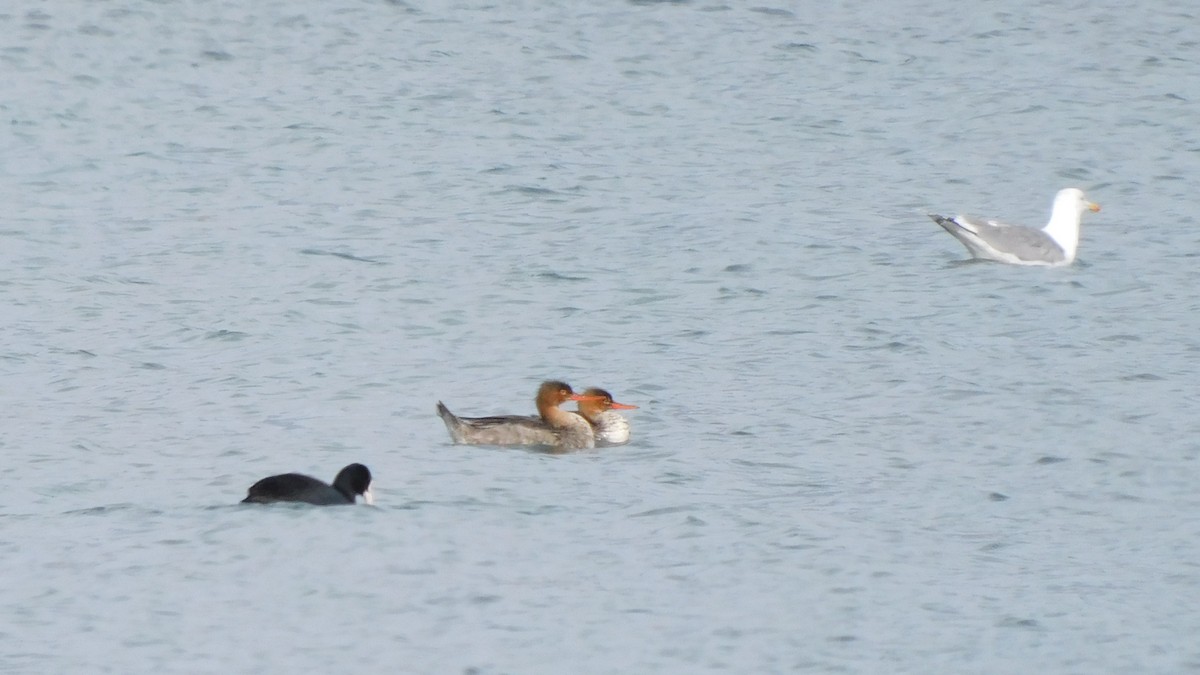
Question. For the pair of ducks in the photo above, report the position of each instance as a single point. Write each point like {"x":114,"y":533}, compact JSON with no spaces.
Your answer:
{"x":596,"y":423}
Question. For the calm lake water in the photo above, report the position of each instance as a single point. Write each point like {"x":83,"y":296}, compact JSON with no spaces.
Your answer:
{"x":245,"y":238}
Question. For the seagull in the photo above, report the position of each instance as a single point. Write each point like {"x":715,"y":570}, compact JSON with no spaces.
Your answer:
{"x":1053,"y":245}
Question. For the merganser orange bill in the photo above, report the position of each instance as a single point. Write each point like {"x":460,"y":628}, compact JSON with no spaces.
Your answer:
{"x":609,"y":427}
{"x":554,"y":427}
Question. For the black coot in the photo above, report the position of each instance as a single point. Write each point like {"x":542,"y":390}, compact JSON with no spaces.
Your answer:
{"x":351,"y":481}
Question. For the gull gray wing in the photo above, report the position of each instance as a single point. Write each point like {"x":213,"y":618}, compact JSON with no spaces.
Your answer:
{"x":993,"y":240}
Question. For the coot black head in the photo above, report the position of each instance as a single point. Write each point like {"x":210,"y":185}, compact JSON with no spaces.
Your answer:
{"x":353,"y":480}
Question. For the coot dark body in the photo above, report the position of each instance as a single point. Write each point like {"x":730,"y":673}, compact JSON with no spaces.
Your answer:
{"x":350,"y":482}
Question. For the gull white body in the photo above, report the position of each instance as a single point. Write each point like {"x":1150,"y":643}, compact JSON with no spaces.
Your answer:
{"x":1054,"y":245}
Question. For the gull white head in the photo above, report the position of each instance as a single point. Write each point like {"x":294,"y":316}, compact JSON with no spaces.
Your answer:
{"x":1069,"y":205}
{"x":1072,"y":200}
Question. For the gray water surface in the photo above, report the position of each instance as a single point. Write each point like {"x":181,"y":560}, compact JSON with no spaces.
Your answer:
{"x":245,"y":238}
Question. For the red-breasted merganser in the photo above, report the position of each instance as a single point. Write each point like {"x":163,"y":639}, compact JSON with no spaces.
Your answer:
{"x":554,"y":427}
{"x":609,"y":426}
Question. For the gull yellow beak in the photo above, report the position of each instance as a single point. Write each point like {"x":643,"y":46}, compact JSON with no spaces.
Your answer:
{"x":1094,"y":208}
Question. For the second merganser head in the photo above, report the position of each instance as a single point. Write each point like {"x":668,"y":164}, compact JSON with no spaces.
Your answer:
{"x":608,"y":425}
{"x":599,"y":401}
